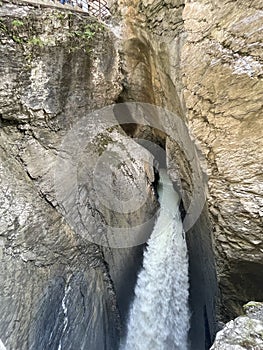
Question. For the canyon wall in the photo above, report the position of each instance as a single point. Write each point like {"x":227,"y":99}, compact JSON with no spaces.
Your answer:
{"x":199,"y":60}
{"x":203,"y":61}
{"x":56,"y":287}
{"x":222,"y":75}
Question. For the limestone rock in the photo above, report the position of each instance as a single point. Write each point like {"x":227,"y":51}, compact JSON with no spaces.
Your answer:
{"x":222,"y":76}
{"x":201,"y":60}
{"x":205,"y":65}
{"x":59,"y":287}
{"x":151,"y":48}
{"x":241,"y":333}
{"x":254,"y":309}
{"x":244,"y":332}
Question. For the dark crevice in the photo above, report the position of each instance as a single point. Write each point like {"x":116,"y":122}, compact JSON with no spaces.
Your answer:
{"x":8,"y":122}
{"x":202,"y":276}
{"x":241,"y":284}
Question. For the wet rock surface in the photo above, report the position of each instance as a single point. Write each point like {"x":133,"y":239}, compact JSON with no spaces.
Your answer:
{"x":244,"y":332}
{"x":208,"y":70}
{"x":60,"y":288}
{"x":222,"y":75}
{"x":200,"y":60}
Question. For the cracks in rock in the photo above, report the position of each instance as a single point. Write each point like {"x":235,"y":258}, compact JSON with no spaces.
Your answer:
{"x":83,"y":299}
{"x":112,"y":293}
{"x":225,"y":54}
{"x":155,"y":23}
{"x":5,"y":122}
{"x":27,"y":131}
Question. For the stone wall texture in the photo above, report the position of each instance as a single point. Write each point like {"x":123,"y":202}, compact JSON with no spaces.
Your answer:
{"x":201,"y":60}
{"x":244,"y":332}
{"x":59,"y":287}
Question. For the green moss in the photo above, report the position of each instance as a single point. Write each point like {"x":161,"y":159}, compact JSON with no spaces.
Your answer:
{"x":79,"y":34}
{"x":84,"y":35}
{"x":11,"y":29}
{"x":59,"y":15}
{"x":36,"y":41}
{"x":17,"y":39}
{"x":17,"y":23}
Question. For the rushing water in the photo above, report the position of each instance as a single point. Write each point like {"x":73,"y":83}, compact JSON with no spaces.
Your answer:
{"x":2,"y":347}
{"x":159,"y":316}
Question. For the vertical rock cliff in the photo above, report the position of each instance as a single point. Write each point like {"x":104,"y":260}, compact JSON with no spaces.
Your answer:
{"x":62,"y":286}
{"x":56,"y":289}
{"x":203,"y":61}
{"x":222,"y":75}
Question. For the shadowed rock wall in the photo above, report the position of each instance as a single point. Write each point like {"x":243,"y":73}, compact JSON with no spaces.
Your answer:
{"x":222,"y":75}
{"x":152,"y":40}
{"x":57,"y":288}
{"x":198,"y":59}
{"x":202,"y":60}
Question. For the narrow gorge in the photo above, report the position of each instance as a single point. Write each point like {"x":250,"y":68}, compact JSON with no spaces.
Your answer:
{"x":100,"y":249}
{"x":159,"y":316}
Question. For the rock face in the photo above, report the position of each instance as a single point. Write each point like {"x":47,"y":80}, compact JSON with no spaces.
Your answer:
{"x":59,"y":287}
{"x":244,"y":332}
{"x":222,"y":75}
{"x":198,"y":59}
{"x":203,"y":61}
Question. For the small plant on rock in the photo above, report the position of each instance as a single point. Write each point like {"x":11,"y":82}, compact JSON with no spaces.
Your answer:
{"x":17,"y":23}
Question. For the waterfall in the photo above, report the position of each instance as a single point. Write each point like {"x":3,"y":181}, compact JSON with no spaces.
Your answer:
{"x":2,"y":347}
{"x":159,"y":316}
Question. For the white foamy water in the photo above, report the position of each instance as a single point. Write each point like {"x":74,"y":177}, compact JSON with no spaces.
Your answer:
{"x":159,"y":316}
{"x":2,"y":347}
